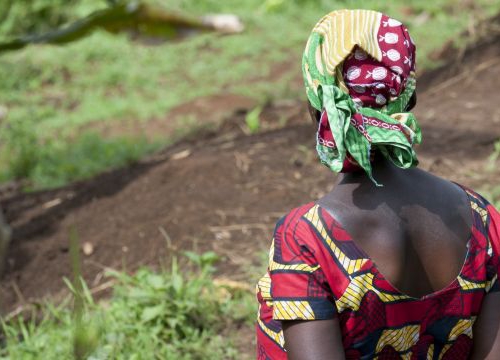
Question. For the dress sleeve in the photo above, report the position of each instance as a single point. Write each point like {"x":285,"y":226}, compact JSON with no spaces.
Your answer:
{"x":493,"y":265}
{"x":299,"y":288}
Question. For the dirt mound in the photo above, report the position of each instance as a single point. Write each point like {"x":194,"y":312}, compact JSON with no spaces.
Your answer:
{"x":224,"y":191}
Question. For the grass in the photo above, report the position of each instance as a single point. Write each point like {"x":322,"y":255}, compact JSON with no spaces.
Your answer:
{"x":493,"y":195}
{"x":58,"y":162}
{"x":171,"y":315}
{"x":252,"y":120}
{"x":110,"y":78}
{"x":52,"y":93}
{"x":492,"y":192}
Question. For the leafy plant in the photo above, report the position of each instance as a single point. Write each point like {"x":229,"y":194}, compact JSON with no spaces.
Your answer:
{"x":252,"y":120}
{"x":175,"y":314}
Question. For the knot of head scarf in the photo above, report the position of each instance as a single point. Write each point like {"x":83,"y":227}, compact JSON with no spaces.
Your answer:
{"x":359,"y":71}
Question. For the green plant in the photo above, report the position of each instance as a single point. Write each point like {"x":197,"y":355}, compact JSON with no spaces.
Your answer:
{"x":20,"y":150}
{"x":58,"y":162}
{"x":174,"y":314}
{"x":27,"y":17}
{"x":252,"y":120}
{"x":494,"y":155}
{"x":492,"y":194}
{"x":114,"y":79}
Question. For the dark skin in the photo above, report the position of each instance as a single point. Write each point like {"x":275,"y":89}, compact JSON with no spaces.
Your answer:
{"x":415,"y":229}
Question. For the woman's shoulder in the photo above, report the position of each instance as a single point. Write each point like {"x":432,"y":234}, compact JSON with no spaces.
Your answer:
{"x":292,"y":220}
{"x":300,"y":235}
{"x":305,"y":214}
{"x":438,"y":185}
{"x":308,"y":224}
{"x":482,"y":206}
{"x":295,"y":215}
{"x":486,"y":221}
{"x":473,"y":195}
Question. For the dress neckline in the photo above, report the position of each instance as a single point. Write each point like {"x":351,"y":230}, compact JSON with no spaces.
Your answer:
{"x":454,"y":283}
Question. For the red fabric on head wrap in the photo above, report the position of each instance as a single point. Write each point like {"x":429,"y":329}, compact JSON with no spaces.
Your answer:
{"x":373,"y":83}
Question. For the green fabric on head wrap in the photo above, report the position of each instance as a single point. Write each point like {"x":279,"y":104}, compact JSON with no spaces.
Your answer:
{"x":356,"y":129}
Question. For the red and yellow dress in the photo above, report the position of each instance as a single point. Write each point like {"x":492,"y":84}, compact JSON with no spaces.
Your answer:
{"x":317,"y":272}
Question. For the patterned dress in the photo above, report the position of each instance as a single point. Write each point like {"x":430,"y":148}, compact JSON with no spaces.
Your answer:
{"x":317,"y":272}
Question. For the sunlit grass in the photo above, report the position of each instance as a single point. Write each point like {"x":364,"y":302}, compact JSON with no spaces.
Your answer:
{"x":172,"y":314}
{"x":110,"y":78}
{"x":57,"y":162}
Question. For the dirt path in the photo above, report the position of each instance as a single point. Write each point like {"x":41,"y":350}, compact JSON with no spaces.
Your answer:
{"x":224,"y":191}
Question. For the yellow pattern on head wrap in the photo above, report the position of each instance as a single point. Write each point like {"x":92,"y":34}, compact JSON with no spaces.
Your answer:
{"x":342,"y":30}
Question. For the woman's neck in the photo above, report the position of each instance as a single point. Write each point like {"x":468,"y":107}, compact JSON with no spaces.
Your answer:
{"x":383,"y":170}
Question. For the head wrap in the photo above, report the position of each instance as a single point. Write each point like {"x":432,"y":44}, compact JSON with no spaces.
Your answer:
{"x":359,"y":71}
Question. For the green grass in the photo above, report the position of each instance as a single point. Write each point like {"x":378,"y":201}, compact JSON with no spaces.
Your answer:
{"x":492,"y":192}
{"x":110,"y":78}
{"x":171,"y":315}
{"x":58,"y":162}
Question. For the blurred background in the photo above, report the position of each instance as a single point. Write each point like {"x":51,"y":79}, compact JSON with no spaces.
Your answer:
{"x":148,"y":147}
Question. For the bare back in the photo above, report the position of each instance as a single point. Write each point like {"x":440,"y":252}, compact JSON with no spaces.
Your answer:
{"x":415,"y":228}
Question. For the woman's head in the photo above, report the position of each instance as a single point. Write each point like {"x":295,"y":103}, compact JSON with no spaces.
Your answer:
{"x":359,"y":72}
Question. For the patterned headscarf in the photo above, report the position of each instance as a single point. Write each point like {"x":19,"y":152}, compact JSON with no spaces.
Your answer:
{"x":359,"y":72}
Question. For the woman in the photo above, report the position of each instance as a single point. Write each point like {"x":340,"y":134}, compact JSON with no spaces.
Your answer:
{"x":394,"y":262}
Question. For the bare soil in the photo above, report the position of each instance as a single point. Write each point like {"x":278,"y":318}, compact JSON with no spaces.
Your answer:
{"x":224,"y":190}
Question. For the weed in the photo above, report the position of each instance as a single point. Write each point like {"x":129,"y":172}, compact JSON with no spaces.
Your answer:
{"x":494,"y":156}
{"x":175,"y":314}
{"x":252,"y":120}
